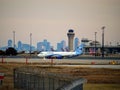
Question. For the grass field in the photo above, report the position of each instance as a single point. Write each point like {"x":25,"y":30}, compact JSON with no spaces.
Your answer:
{"x":97,"y":79}
{"x":102,"y":87}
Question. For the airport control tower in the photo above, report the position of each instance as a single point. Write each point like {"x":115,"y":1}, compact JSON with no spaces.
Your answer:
{"x":70,"y":35}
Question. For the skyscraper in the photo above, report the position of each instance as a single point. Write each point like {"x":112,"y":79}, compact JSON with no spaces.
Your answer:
{"x":61,"y":46}
{"x":20,"y":46}
{"x":70,"y":35}
{"x":39,"y":46}
{"x":9,"y":43}
{"x":76,"y":43}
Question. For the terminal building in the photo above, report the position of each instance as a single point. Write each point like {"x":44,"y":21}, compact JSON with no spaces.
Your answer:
{"x":92,"y":47}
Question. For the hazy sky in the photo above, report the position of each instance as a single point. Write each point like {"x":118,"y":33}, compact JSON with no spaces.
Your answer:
{"x":51,"y":20}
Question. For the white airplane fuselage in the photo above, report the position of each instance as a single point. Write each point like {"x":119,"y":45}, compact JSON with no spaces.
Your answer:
{"x":43,"y":54}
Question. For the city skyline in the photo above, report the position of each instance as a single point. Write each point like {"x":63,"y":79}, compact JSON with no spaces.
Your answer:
{"x":40,"y":46}
{"x":51,"y":20}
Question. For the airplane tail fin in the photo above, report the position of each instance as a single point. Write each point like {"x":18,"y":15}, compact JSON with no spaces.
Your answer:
{"x":79,"y":50}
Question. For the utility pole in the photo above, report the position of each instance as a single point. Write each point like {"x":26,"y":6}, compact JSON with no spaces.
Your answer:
{"x":30,"y":43}
{"x":103,"y":41}
{"x":95,"y":43}
{"x":14,"y":39}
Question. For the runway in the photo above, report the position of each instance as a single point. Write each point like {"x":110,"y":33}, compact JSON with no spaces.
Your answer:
{"x":65,"y":62}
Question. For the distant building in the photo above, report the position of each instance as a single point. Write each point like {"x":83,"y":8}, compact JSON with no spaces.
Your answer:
{"x":46,"y":45}
{"x":61,"y":46}
{"x":3,"y":48}
{"x":9,"y":43}
{"x":26,"y":48}
{"x":76,"y":43}
{"x":85,"y":41}
{"x":107,"y":49}
{"x":20,"y":46}
{"x":48,"y":48}
{"x":39,"y":46}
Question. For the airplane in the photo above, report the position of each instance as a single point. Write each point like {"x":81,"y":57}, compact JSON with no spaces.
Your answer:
{"x":61,"y":55}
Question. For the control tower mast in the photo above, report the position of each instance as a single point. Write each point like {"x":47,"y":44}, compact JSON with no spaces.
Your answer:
{"x":70,"y":35}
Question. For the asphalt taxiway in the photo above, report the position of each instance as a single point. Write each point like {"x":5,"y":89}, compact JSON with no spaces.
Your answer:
{"x":94,"y":63}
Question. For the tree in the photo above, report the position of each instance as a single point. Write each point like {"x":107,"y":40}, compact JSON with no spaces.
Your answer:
{"x":11,"y":51}
{"x":2,"y":52}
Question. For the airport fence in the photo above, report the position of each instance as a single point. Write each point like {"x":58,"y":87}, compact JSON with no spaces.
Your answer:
{"x":34,"y":79}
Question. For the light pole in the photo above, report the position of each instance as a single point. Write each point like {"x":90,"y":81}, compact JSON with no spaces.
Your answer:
{"x":30,"y":43}
{"x":95,"y":43}
{"x":103,"y":41}
{"x":14,"y":39}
